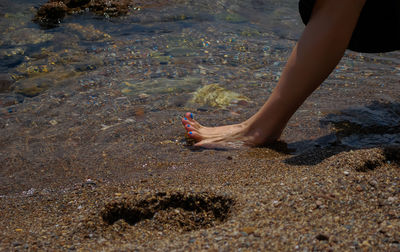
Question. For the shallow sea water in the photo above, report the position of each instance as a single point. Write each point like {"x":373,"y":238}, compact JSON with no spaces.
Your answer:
{"x":68,"y":86}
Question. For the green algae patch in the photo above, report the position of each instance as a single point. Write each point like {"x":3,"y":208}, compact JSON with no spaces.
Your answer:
{"x":216,"y":96}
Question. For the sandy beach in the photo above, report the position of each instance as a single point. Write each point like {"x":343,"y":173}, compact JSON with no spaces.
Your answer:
{"x":241,"y":200}
{"x":93,"y":155}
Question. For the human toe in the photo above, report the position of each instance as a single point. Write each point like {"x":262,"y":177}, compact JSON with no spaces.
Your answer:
{"x":194,"y":135}
{"x":189,"y":127}
{"x":193,"y":124}
{"x":184,"y":121}
{"x":189,"y":115}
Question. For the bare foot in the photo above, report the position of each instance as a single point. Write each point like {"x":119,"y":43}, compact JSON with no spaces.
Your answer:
{"x":230,"y":136}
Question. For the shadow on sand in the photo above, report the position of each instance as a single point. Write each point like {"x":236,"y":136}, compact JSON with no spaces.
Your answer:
{"x":374,"y":125}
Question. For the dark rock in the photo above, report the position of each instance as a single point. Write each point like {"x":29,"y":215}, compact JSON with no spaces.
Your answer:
{"x":202,"y":109}
{"x":51,"y":14}
{"x":16,"y":244}
{"x":5,"y":84}
{"x":112,"y":8}
{"x":75,"y":3}
{"x":322,"y":237}
{"x":10,"y":99}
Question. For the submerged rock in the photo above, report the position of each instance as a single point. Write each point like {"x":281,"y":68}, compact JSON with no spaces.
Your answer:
{"x":88,"y":32}
{"x":12,"y":52}
{"x":25,"y":36}
{"x":160,"y":86}
{"x":216,"y":96}
{"x":5,"y":83}
{"x":50,"y":14}
{"x":31,"y":88}
{"x":53,"y":12}
{"x":40,"y":82}
{"x":111,"y":8}
{"x":234,"y":18}
{"x":75,"y":3}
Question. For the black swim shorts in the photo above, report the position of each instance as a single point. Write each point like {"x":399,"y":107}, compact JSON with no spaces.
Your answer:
{"x":378,"y":27}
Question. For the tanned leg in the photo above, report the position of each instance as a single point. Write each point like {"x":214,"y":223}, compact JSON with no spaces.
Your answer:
{"x":318,"y":51}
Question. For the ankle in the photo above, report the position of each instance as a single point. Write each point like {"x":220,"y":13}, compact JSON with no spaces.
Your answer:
{"x":258,"y":135}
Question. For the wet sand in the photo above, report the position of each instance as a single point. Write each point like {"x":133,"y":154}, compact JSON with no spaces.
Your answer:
{"x":238,"y":200}
{"x":93,"y":154}
{"x":91,"y":169}
{"x":105,"y":183}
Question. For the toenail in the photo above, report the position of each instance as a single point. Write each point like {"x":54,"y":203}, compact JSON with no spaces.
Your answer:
{"x":185,"y":119}
{"x":190,"y":132}
{"x":191,"y":115}
{"x":188,"y":125}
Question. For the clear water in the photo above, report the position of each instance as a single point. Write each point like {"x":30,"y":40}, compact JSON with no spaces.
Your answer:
{"x":162,"y":55}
